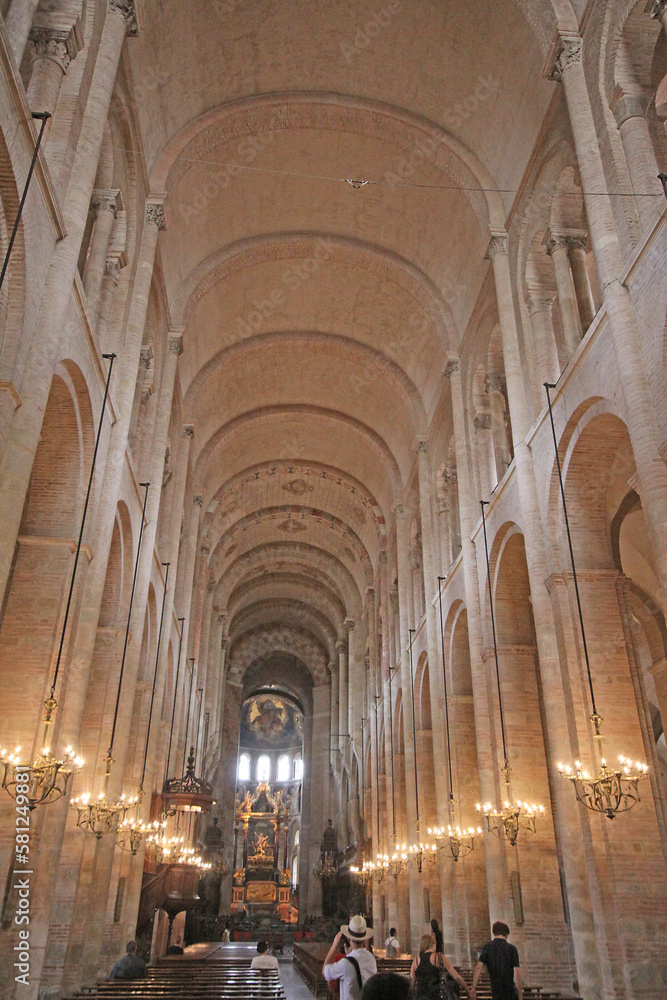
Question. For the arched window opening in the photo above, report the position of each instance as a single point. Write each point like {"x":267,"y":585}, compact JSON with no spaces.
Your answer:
{"x":283,"y":768}
{"x":264,"y":768}
{"x":244,"y":767}
{"x":298,"y":769}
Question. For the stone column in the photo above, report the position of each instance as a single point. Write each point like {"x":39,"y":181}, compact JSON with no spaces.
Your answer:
{"x":51,"y":51}
{"x":341,"y":649}
{"x":577,"y":250}
{"x":18,"y":23}
{"x":486,"y":459}
{"x":496,"y":870}
{"x":112,"y":271}
{"x":629,"y":110}
{"x":640,"y":413}
{"x":557,"y":248}
{"x":105,"y":205}
{"x":546,"y":355}
{"x":554,"y":698}
{"x":44,"y":350}
{"x":495,"y":385}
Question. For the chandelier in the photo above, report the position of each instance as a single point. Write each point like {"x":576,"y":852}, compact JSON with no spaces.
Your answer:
{"x":610,"y":790}
{"x":42,"y":781}
{"x":219,"y":865}
{"x":131,"y":833}
{"x":327,"y":866}
{"x":363,"y":875}
{"x":511,"y":818}
{"x":46,"y":778}
{"x":459,"y":842}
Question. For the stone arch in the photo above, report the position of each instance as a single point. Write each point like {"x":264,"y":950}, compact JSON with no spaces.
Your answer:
{"x":273,"y":637}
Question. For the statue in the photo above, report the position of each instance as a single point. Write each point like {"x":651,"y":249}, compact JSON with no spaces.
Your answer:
{"x":262,"y":849}
{"x":329,"y":839}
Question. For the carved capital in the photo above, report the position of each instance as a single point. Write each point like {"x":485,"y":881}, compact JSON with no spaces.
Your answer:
{"x":497,"y":246}
{"x":568,"y":52}
{"x":211,"y":587}
{"x":398,"y":510}
{"x":656,"y":8}
{"x":422,"y":447}
{"x":225,"y":641}
{"x":382,"y":558}
{"x":555,"y":241}
{"x":205,"y":550}
{"x":56,"y":44}
{"x":340,"y":646}
{"x":482,"y":422}
{"x":127,"y":10}
{"x":112,"y":268}
{"x":453,"y":365}
{"x":349,"y":624}
{"x":105,"y":202}
{"x":450,"y":477}
{"x":495,"y":383}
{"x":155,"y":214}
{"x":629,"y":106}
{"x":198,"y":500}
{"x":175,"y":344}
{"x":539,"y":301}
{"x":188,"y":430}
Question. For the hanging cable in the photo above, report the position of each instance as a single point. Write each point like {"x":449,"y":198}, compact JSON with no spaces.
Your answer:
{"x":548,"y":386}
{"x":127,"y":627}
{"x":483,"y":504}
{"x":173,"y":710}
{"x":187,"y":721}
{"x":441,"y":579}
{"x":157,"y":660}
{"x":411,"y":632}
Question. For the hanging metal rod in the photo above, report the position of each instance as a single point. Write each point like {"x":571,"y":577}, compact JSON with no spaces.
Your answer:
{"x":173,"y":710}
{"x":42,"y":116}
{"x":596,"y":717}
{"x":157,"y":660}
{"x":411,"y":632}
{"x":441,"y":580}
{"x":483,"y":504}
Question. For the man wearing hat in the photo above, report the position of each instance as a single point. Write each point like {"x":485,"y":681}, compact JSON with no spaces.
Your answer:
{"x":357,"y":966}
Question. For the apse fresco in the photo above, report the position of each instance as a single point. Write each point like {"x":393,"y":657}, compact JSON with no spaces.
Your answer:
{"x":271,"y":722}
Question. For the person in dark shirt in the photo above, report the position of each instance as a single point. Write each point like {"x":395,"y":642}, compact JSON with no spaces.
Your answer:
{"x":502,"y":961}
{"x":130,"y":966}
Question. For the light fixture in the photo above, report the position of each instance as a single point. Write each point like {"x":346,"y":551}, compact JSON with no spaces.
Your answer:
{"x":459,"y":842}
{"x":419,"y":854}
{"x":100,"y":816}
{"x":326,"y":867}
{"x":131,"y":832}
{"x":510,"y":818}
{"x":46,"y":778}
{"x":609,"y":790}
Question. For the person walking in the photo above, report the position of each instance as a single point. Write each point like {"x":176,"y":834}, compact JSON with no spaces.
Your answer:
{"x":391,"y":945}
{"x":502,"y":961}
{"x":433,"y":975}
{"x":357,"y":966}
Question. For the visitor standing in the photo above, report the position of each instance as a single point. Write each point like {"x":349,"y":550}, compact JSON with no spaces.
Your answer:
{"x":357,"y":966}
{"x":433,"y":975}
{"x":391,"y":945}
{"x":502,"y":961}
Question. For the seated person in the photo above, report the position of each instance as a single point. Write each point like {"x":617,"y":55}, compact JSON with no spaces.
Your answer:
{"x":262,"y":961}
{"x":130,"y":966}
{"x":175,"y":949}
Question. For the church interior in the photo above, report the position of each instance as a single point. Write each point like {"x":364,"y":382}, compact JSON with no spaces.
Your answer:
{"x":333,"y":483}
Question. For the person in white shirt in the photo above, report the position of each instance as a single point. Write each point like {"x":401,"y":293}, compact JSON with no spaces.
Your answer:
{"x":392,"y":947}
{"x":358,"y":965}
{"x":263,"y":961}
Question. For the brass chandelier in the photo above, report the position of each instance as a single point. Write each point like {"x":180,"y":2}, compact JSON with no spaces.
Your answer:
{"x":608,"y":790}
{"x":46,"y":778}
{"x":510,"y":818}
{"x":457,"y":841}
